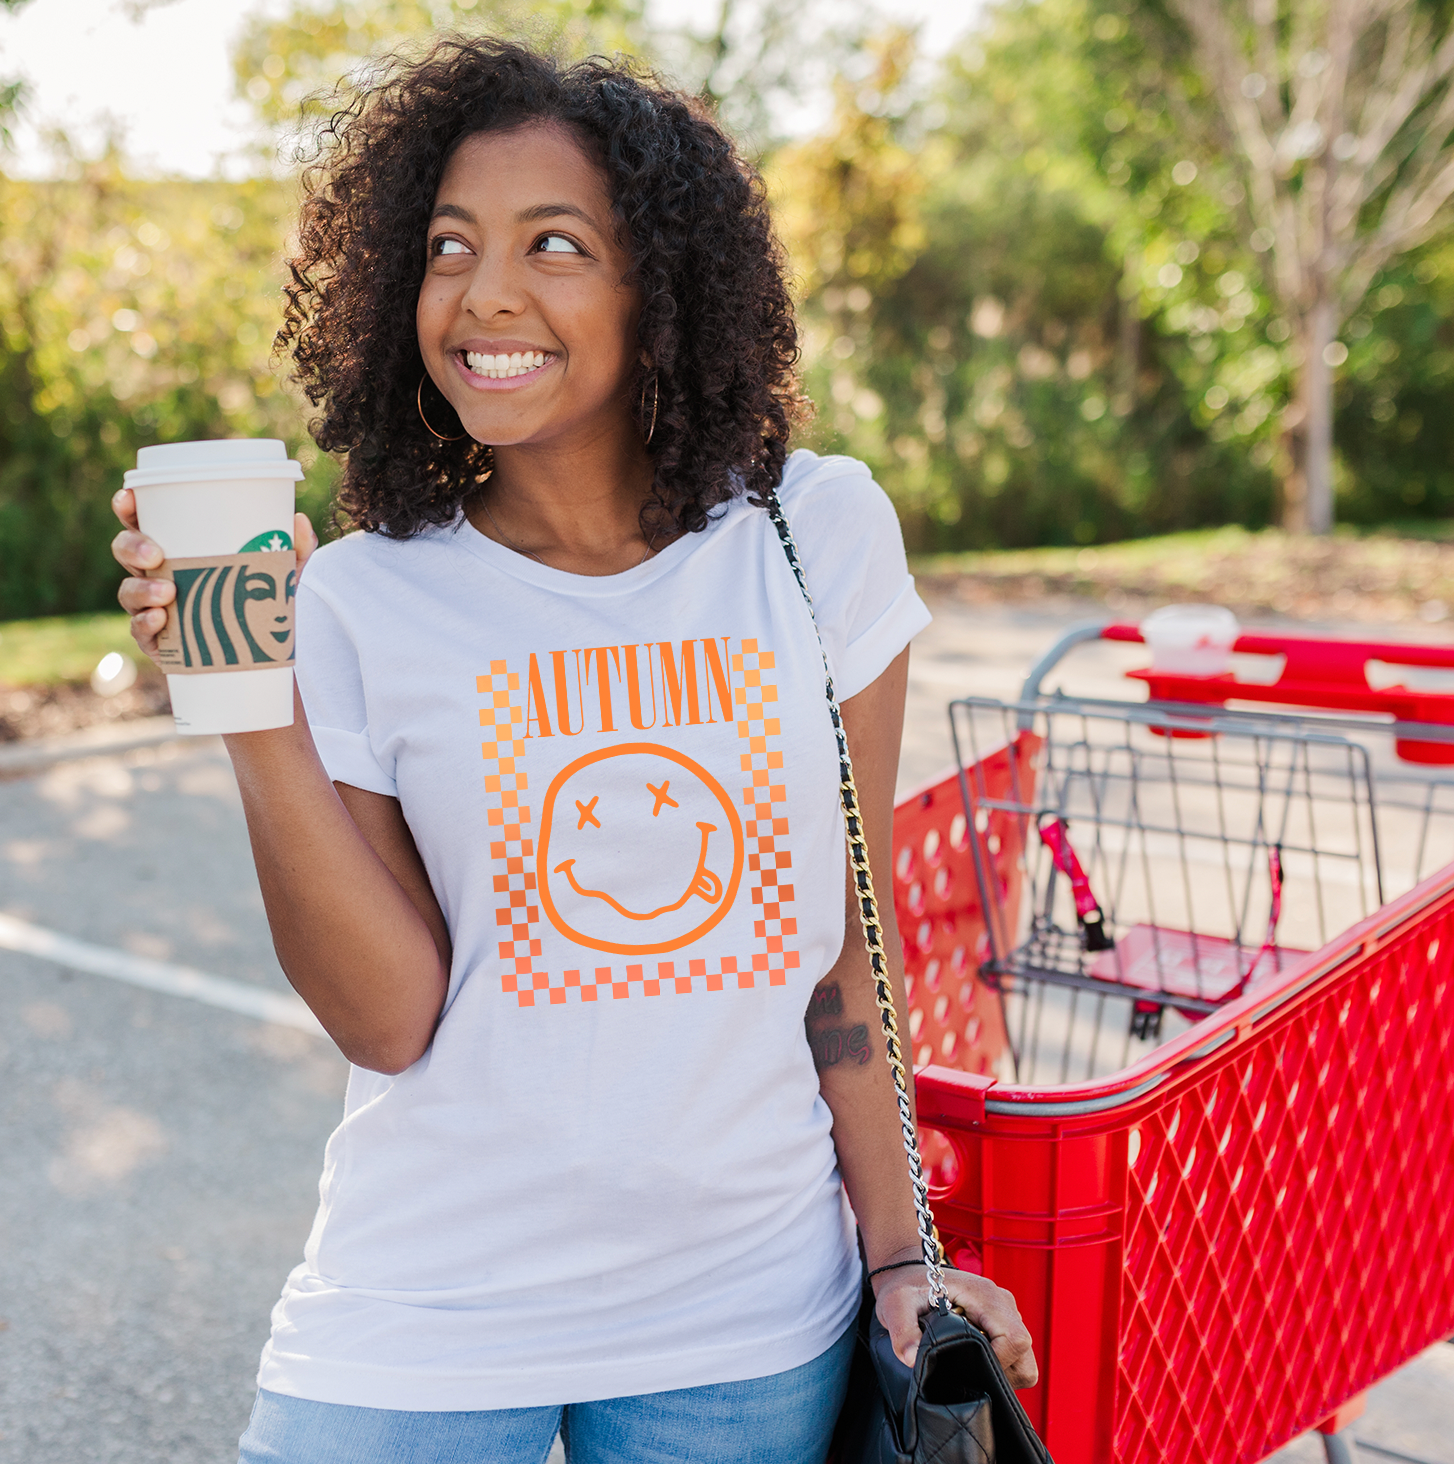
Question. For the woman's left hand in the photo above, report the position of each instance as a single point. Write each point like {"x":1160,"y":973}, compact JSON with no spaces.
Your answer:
{"x":903,"y":1297}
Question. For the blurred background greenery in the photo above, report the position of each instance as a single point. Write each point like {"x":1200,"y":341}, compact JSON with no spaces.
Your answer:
{"x":1035,"y":291}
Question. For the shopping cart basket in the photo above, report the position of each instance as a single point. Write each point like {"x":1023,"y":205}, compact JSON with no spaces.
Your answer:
{"x":1180,"y":1001}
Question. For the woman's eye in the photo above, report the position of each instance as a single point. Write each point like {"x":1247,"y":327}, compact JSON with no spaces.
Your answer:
{"x":558,"y":244}
{"x":448,"y":246}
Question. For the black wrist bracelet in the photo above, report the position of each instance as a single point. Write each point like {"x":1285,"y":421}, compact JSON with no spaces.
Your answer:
{"x":893,"y":1266}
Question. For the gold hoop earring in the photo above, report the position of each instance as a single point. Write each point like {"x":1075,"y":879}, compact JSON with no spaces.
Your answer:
{"x":419,"y":402}
{"x":655,"y":398}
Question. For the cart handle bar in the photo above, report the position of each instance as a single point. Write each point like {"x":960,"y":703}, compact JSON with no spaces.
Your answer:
{"x":1324,"y":674}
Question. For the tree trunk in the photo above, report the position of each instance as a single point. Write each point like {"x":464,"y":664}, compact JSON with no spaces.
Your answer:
{"x":1307,"y":493}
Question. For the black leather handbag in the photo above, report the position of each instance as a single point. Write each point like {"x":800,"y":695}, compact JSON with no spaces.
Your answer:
{"x":955,"y":1406}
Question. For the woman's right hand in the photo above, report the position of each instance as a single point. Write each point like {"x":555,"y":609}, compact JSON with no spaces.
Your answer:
{"x":143,"y":598}
{"x":146,"y":598}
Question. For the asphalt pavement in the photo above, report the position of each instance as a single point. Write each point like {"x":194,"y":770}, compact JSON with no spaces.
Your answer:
{"x":161,"y":1156}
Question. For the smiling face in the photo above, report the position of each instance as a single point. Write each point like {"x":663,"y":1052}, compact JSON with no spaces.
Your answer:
{"x":524,"y":322}
{"x":640,"y":850}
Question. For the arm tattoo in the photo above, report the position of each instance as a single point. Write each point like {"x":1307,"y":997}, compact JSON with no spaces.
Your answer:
{"x":835,"y":1044}
{"x":839,"y":1044}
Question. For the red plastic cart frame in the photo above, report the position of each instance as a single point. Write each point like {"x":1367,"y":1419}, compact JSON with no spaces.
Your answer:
{"x":1221,"y":1246}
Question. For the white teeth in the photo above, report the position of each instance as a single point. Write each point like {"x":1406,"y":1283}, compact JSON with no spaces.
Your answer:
{"x":498,"y":367}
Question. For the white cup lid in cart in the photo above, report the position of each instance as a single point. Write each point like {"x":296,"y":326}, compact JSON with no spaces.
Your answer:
{"x":227,"y":459}
{"x":1191,"y":640}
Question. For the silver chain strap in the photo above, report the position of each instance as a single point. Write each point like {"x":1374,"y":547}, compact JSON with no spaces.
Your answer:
{"x":872,"y":930}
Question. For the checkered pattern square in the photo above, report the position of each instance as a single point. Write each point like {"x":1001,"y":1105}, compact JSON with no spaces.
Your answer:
{"x":511,"y":847}
{"x":765,"y":812}
{"x":769,"y":881}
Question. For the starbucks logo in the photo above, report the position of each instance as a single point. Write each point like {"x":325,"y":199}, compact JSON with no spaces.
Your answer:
{"x":273,"y":542}
{"x":233,"y":612}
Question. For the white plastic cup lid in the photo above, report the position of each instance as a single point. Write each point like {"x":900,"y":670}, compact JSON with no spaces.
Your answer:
{"x":218,"y":452}
{"x":1212,"y":625}
{"x":211,"y":461}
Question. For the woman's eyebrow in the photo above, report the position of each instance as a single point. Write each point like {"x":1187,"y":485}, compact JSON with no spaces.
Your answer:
{"x":541,"y":211}
{"x":534,"y":214}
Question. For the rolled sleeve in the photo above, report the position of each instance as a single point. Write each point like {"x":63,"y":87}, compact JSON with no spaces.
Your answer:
{"x":330,"y":679}
{"x":852,"y":549}
{"x":869,"y":655}
{"x":348,"y":758}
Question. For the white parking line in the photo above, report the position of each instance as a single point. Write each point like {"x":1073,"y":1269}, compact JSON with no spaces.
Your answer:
{"x":217,"y":991}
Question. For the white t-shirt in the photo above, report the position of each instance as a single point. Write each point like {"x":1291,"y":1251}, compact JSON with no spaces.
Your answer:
{"x":612,"y":1173}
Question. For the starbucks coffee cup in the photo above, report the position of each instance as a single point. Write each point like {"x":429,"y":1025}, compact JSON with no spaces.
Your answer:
{"x":222,"y":513}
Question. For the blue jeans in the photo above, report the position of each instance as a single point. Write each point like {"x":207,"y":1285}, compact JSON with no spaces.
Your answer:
{"x":783,"y":1419}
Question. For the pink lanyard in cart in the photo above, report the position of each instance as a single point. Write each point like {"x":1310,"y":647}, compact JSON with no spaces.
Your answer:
{"x":1087,"y":910}
{"x":1092,"y":919}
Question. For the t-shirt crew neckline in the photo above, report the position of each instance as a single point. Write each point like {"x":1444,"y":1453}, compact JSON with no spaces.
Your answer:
{"x":564,"y":582}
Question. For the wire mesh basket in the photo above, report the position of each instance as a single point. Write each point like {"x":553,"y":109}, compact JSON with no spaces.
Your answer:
{"x":1171,"y":861}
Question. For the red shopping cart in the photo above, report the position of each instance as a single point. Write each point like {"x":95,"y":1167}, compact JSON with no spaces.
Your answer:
{"x":1181,"y":1010}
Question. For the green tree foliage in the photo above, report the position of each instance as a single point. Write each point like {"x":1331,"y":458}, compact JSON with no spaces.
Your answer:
{"x":131,"y":313}
{"x":12,"y":90}
{"x":1335,"y":118}
{"x":1394,"y":430}
{"x":1082,"y":344}
{"x":1030,"y":297}
{"x":289,"y":68}
{"x":136,"y":312}
{"x":1020,"y":374}
{"x":753,"y":60}
{"x":758,"y":61}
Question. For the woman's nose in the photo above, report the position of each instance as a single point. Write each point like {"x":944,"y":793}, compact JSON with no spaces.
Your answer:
{"x":496,"y":288}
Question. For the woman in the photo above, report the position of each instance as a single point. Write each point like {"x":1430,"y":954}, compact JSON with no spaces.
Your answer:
{"x":553,"y":848}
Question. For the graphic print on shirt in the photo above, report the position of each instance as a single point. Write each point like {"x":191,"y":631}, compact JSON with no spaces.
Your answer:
{"x":578,"y":869}
{"x":588,"y":821}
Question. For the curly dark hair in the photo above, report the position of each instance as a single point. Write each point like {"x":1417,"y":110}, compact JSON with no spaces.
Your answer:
{"x":716,"y":320}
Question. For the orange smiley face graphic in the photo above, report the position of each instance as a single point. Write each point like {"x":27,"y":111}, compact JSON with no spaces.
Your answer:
{"x":640,"y":850}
